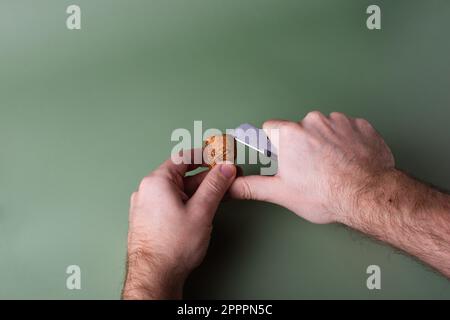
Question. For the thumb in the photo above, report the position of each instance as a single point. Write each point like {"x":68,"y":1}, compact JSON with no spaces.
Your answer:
{"x":212,"y":189}
{"x":262,"y":188}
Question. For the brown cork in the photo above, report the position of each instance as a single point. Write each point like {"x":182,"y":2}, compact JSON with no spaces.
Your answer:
{"x":219,"y":149}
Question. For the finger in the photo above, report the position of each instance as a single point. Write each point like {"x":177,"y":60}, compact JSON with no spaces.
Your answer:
{"x":342,"y":123}
{"x":314,"y":116}
{"x":316,"y":120}
{"x":339,"y":116}
{"x":132,"y":202}
{"x":211,"y":191}
{"x":363,"y":125}
{"x":272,"y":128}
{"x":179,"y":164}
{"x":239,"y":173}
{"x":261,"y":188}
{"x":191,"y":183}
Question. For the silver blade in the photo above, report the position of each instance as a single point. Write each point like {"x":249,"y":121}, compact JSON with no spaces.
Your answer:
{"x":256,"y":139}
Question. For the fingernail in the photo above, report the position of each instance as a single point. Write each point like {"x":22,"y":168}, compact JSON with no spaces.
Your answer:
{"x":228,"y":170}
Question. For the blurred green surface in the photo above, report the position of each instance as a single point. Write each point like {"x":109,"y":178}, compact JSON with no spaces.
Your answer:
{"x":85,"y":114}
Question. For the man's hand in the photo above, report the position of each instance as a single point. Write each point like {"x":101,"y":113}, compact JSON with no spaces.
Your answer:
{"x":169,"y":227}
{"x":338,"y":169}
{"x":323,"y":163}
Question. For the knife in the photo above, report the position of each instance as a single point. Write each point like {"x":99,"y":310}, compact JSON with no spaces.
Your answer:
{"x":256,"y":139}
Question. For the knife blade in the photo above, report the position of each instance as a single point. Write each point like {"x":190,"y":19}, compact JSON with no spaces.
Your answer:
{"x":256,"y":139}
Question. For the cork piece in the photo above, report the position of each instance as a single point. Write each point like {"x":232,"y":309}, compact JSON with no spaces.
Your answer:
{"x":219,"y":149}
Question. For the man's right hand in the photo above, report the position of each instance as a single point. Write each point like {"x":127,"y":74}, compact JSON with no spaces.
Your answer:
{"x":338,"y":169}
{"x":323,"y":163}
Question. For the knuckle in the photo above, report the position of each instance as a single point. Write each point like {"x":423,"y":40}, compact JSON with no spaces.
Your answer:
{"x":272,"y":123}
{"x":336,"y":114}
{"x":148,"y":181}
{"x":145,"y":182}
{"x":363,"y":123}
{"x":267,"y":124}
{"x":288,"y":127}
{"x":314,"y":116}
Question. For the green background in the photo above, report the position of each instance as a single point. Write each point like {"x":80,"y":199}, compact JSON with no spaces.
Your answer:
{"x":84,"y":115}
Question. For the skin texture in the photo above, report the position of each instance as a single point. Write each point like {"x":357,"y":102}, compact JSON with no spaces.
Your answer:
{"x":331,"y":169}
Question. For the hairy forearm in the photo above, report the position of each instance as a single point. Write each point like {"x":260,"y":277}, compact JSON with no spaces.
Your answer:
{"x":408,"y":214}
{"x":146,"y":279}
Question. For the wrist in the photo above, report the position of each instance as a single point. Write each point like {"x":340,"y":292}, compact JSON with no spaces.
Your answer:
{"x":148,"y":277}
{"x":375,"y":190}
